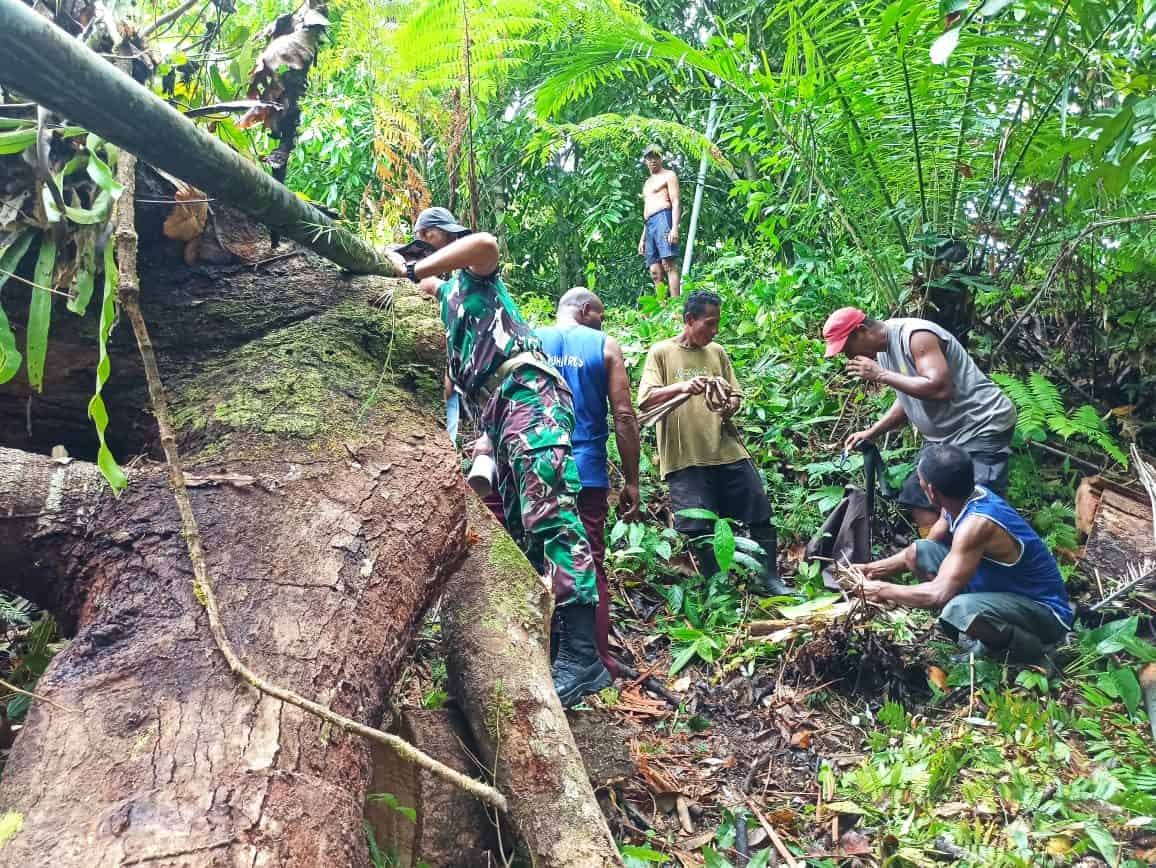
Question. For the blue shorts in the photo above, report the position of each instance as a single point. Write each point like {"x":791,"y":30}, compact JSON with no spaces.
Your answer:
{"x":658,"y":246}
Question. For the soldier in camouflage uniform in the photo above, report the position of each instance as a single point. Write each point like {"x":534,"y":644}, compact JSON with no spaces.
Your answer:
{"x":525,"y":410}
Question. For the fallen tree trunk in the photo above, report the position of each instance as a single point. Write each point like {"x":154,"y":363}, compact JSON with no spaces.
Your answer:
{"x":496,"y":623}
{"x":43,"y":63}
{"x":331,"y":506}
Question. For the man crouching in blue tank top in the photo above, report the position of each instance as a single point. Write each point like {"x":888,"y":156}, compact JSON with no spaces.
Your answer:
{"x":997,"y":587}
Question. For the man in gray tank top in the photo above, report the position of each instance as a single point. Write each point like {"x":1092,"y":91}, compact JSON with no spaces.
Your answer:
{"x":939,"y":389}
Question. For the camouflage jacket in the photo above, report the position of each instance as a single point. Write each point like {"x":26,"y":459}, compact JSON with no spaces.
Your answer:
{"x":484,"y":328}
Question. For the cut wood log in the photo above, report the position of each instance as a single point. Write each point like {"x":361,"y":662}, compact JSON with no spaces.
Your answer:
{"x":44,"y":64}
{"x":496,"y":613}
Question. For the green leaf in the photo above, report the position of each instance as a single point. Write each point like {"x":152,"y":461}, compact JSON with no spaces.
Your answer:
{"x":40,"y":311}
{"x":1128,"y":688}
{"x":724,"y":545}
{"x":1104,"y":842}
{"x":96,"y":409}
{"x":102,"y":175}
{"x":220,"y":88}
{"x":712,"y":859}
{"x":20,"y":139}
{"x":390,"y":800}
{"x":682,"y":658}
{"x":643,"y":853}
{"x":10,"y":257}
{"x":697,"y":512}
{"x":85,"y":271}
{"x":761,"y":859}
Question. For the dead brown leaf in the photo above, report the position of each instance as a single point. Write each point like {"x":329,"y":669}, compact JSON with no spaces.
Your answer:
{"x":801,"y":738}
{"x":938,"y":677}
{"x":188,"y":218}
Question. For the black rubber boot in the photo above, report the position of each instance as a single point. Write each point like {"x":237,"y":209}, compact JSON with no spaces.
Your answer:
{"x":578,"y":671}
{"x":768,"y":582}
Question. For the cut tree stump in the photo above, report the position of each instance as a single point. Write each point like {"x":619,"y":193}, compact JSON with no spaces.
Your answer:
{"x":1119,"y":527}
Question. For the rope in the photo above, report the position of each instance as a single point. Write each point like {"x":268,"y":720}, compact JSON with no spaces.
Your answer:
{"x":717,"y":397}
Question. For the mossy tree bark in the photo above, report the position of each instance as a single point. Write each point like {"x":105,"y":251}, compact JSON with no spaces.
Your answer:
{"x":332,"y":508}
{"x":329,"y":526}
{"x":496,"y":624}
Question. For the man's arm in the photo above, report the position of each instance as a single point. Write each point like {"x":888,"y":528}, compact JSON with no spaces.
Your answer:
{"x":642,"y":239}
{"x":675,"y":205}
{"x":625,"y":425}
{"x":933,"y":377}
{"x":656,"y":395}
{"x":897,"y":563}
{"x":892,"y":419}
{"x":477,"y":252}
{"x":955,"y":572}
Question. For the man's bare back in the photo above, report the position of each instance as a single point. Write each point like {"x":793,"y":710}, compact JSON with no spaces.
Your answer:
{"x":656,"y":192}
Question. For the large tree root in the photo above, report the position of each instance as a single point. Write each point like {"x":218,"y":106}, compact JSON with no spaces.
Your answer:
{"x":496,"y":614}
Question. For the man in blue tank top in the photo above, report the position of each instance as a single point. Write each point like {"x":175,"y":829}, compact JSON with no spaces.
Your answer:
{"x":982,"y":565}
{"x":593,"y":367}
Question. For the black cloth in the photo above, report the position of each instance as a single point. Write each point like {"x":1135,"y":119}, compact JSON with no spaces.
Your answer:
{"x":732,"y":490}
{"x":844,"y":537}
{"x":990,"y":459}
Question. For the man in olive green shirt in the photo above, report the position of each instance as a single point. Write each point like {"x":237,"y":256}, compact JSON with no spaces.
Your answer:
{"x":700,"y":454}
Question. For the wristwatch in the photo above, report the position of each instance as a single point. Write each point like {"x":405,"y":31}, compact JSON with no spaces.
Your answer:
{"x":409,"y":272}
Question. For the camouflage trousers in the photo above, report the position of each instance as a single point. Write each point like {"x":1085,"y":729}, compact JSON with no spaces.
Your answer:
{"x":529,"y":421}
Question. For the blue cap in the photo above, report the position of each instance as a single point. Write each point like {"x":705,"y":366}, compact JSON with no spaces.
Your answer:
{"x":439,"y":218}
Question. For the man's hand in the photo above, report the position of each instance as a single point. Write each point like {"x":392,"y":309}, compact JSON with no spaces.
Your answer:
{"x":642,"y":246}
{"x":672,"y":235}
{"x":870,"y":571}
{"x":732,"y":407}
{"x":857,"y":437}
{"x":873,"y":591}
{"x":628,"y":502}
{"x":694,"y":387}
{"x":397,"y":262}
{"x":865,"y":369}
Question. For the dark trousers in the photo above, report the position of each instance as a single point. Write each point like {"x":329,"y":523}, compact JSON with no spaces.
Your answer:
{"x":593,"y":507}
{"x":732,"y":490}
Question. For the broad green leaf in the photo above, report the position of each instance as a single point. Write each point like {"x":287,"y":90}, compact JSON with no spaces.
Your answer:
{"x":390,"y":800}
{"x":100,"y":173}
{"x":744,"y":544}
{"x":1104,"y":842}
{"x":805,"y":610}
{"x":681,"y":659}
{"x":40,"y":311}
{"x":712,"y":859}
{"x":643,"y":853}
{"x":10,"y":257}
{"x":618,"y":531}
{"x":96,"y":409}
{"x":724,"y":545}
{"x":761,"y":859}
{"x":1128,"y":688}
{"x":747,"y":562}
{"x":697,"y":512}
{"x":22,"y":138}
{"x":943,"y":47}
{"x":16,"y":123}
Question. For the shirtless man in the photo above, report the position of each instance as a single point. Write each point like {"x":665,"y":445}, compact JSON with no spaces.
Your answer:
{"x":661,"y":209}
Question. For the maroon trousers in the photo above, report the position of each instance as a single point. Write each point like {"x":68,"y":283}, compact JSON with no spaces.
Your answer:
{"x":593,"y":507}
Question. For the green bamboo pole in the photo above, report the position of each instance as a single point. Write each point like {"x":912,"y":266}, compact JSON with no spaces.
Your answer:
{"x":46,"y":65}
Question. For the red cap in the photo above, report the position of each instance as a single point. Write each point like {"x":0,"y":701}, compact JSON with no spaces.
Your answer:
{"x":839,"y":327}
